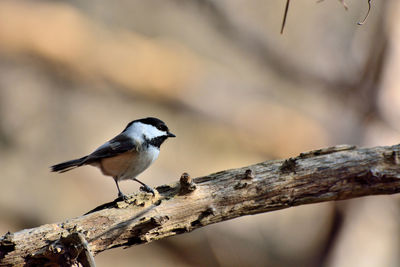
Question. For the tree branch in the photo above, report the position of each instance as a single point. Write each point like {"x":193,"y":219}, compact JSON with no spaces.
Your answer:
{"x":335,"y":173}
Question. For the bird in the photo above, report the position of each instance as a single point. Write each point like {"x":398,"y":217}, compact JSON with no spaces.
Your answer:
{"x":126,"y":155}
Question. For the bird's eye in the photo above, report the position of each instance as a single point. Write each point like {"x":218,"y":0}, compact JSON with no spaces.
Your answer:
{"x":162,"y":128}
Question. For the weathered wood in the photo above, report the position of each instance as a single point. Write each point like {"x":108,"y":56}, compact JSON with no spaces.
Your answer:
{"x":335,"y":173}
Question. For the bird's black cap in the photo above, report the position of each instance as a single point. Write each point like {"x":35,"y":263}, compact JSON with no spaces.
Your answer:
{"x":159,"y":124}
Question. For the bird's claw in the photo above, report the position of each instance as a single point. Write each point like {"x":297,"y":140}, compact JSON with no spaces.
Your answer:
{"x":122,"y":196}
{"x":147,"y":189}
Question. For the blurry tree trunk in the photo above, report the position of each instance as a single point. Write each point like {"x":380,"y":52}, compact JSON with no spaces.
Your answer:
{"x":334,"y":173}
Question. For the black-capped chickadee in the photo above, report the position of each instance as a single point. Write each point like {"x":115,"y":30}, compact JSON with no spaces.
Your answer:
{"x":126,"y":155}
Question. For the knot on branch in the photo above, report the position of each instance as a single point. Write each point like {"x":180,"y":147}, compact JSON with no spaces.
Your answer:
{"x":289,"y":165}
{"x":392,"y":157}
{"x":248,"y":175}
{"x":187,"y":184}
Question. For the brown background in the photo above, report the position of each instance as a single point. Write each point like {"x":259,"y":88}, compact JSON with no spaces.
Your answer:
{"x":233,"y":90}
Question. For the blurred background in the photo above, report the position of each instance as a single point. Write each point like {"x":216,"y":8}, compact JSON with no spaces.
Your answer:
{"x":233,"y":90}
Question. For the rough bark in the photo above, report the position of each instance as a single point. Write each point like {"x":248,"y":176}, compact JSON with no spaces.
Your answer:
{"x":335,"y":173}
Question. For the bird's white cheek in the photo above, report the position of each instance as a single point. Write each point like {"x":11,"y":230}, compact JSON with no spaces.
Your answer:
{"x":137,"y":131}
{"x":151,"y":132}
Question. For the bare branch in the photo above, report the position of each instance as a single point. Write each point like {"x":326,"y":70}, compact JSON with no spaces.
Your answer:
{"x":335,"y":173}
{"x":366,"y":16}
{"x":285,"y":15}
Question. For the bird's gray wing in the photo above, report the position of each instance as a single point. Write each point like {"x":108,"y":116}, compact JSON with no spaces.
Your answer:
{"x":118,"y":145}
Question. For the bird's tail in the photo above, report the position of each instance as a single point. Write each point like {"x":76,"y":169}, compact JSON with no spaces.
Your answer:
{"x":67,"y":165}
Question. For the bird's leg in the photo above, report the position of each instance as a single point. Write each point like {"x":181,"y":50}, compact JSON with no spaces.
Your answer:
{"x":145,"y":187}
{"x":120,"y":194}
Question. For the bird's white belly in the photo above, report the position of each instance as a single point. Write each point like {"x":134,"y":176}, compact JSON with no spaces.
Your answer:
{"x":139,"y":163}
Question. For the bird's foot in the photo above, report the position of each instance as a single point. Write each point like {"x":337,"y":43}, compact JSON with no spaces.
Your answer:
{"x":122,"y":196}
{"x":147,"y":189}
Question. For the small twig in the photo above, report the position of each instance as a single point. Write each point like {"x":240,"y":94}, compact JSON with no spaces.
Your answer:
{"x":366,"y":16}
{"x":86,"y":256}
{"x":285,"y":15}
{"x":186,"y":183}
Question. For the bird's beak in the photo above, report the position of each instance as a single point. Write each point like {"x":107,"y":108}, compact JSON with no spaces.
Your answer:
{"x":170,"y":134}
